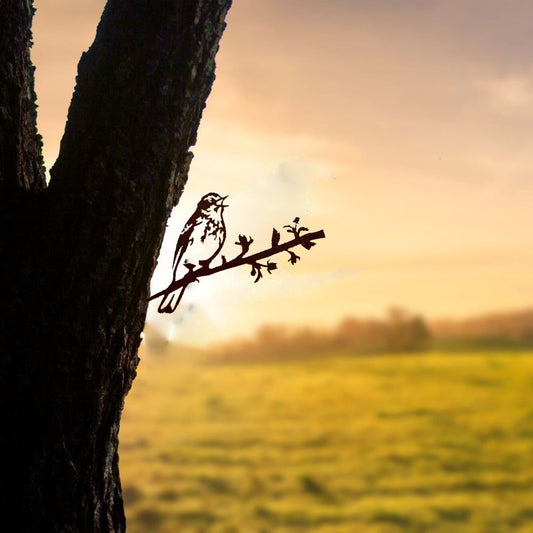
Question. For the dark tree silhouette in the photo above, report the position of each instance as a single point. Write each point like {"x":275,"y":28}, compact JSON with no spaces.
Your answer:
{"x":77,"y":256}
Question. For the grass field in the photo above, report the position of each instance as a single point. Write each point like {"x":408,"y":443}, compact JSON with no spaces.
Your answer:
{"x":430,"y":442}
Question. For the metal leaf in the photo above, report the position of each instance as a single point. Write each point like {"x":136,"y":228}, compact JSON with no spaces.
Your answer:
{"x":275,"y":237}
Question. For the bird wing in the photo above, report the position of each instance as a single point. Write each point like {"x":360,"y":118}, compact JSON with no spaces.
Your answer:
{"x":185,"y":238}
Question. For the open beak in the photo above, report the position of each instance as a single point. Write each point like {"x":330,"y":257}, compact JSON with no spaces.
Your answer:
{"x":221,"y":204}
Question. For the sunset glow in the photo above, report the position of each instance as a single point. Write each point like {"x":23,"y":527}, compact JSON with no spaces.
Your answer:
{"x":402,"y":130}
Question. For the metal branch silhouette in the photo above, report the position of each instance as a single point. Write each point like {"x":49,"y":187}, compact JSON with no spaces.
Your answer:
{"x":302,"y":237}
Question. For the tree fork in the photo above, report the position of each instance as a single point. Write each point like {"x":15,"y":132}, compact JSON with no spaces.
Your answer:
{"x":77,"y":256}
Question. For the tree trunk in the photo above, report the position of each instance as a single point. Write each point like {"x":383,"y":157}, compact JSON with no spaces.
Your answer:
{"x":77,"y":257}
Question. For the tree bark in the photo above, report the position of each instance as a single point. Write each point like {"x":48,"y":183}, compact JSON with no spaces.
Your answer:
{"x":77,"y":256}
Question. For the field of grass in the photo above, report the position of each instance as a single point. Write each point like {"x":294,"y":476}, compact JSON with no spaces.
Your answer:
{"x":431,"y":442}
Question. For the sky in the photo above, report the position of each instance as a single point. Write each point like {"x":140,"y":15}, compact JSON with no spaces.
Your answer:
{"x":401,"y":128}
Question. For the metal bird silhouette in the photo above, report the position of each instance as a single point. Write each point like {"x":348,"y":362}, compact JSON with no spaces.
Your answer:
{"x":200,"y":241}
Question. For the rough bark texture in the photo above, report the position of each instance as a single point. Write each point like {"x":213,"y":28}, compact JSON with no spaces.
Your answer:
{"x":77,"y":257}
{"x":20,"y":145}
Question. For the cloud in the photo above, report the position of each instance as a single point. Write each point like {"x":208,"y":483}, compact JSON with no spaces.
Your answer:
{"x":509,"y":93}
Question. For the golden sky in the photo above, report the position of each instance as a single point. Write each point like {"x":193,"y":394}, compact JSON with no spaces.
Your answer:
{"x":402,"y":128}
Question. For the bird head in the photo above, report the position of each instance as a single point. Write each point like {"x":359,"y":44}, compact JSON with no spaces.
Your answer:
{"x":212,"y":201}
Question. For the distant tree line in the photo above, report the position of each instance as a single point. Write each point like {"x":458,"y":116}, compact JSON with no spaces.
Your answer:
{"x":504,"y":329}
{"x":399,"y":331}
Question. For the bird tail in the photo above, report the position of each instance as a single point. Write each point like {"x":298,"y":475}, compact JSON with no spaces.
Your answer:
{"x":170,"y":301}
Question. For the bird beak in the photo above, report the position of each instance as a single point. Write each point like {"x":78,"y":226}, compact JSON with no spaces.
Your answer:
{"x":221,"y":204}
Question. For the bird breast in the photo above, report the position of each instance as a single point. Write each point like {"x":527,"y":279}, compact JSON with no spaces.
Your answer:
{"x":205,"y":242}
{"x":213,"y":229}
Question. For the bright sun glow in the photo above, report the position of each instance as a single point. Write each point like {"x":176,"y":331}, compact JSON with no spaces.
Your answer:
{"x":407,"y":148}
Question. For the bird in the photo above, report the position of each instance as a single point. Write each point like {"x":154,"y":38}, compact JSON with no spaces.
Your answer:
{"x":199,"y":242}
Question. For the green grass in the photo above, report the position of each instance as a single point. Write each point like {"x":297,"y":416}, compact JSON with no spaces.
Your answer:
{"x":434,"y":442}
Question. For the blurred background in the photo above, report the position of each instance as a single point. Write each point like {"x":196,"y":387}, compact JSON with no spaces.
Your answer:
{"x":383,"y":382}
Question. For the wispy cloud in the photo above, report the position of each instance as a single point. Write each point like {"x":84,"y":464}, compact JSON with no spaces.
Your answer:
{"x":509,"y":93}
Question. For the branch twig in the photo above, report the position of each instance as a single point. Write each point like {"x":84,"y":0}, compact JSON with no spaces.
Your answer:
{"x":305,"y":240}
